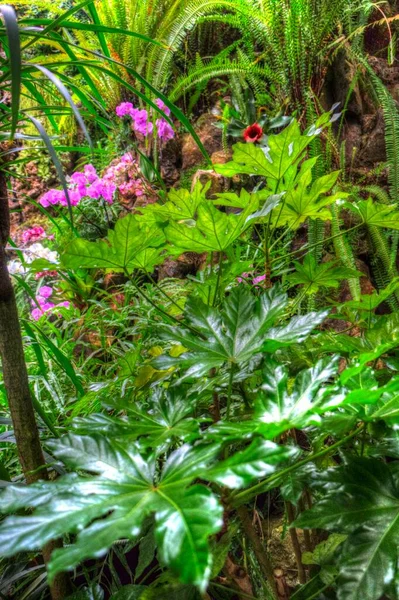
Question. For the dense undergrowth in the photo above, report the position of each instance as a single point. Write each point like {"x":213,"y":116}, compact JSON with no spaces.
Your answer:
{"x":206,"y":401}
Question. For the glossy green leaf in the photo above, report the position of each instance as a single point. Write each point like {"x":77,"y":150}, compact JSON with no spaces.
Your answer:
{"x":313,"y":276}
{"x":257,"y":460}
{"x":273,"y":162}
{"x":378,"y":215}
{"x":182,"y":530}
{"x":233,"y":335}
{"x":362,"y":500}
{"x":278,"y":409}
{"x":129,"y":246}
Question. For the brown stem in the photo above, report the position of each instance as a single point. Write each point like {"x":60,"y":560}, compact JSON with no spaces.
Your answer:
{"x":239,"y":577}
{"x":306,"y":532}
{"x":257,"y":546}
{"x":16,"y":384}
{"x":295,"y":543}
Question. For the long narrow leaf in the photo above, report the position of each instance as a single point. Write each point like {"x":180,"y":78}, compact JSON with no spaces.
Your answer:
{"x":67,"y":96}
{"x":55,"y":160}
{"x":12,"y":29}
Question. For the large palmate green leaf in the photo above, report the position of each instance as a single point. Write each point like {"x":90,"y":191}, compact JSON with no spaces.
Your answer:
{"x":123,"y":488}
{"x":166,"y":418}
{"x":313,"y":276}
{"x":284,"y":150}
{"x":362,"y":499}
{"x":131,"y":245}
{"x":305,"y":199}
{"x":181,"y":205}
{"x":379,"y":215}
{"x":213,"y":230}
{"x":279,"y":408}
{"x":232,"y":335}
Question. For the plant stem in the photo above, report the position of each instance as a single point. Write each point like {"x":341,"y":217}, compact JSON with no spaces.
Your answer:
{"x":219,"y":275}
{"x":257,"y":546}
{"x":295,"y":543}
{"x":16,"y":385}
{"x":307,"y":247}
{"x":233,"y":592}
{"x":242,"y":497}
{"x":229,"y":391}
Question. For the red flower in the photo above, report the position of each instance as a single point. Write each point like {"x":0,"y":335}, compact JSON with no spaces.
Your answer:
{"x":253,"y":133}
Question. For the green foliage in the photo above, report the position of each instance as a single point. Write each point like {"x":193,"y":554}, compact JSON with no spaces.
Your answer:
{"x":233,"y":335}
{"x":125,"y":489}
{"x":131,"y":245}
{"x":313,"y":276}
{"x":362,"y":500}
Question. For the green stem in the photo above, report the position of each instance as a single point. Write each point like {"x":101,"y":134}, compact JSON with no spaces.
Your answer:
{"x":233,"y":592}
{"x":245,"y":495}
{"x":305,"y":247}
{"x":229,"y":391}
{"x":219,"y":275}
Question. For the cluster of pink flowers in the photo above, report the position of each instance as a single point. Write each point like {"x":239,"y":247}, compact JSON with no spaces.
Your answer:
{"x":142,"y":124}
{"x":81,"y":185}
{"x":42,"y":298}
{"x":33,"y":234}
{"x":126,"y":176}
{"x":245,"y":277}
{"x":42,"y":274}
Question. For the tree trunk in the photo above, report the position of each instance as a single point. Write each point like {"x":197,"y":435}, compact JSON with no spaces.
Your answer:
{"x":17,"y":385}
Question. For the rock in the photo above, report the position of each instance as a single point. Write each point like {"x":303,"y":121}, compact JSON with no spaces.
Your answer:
{"x":171,"y":161}
{"x":210,"y":136}
{"x":372,"y":148}
{"x":219,"y":183}
{"x":221,"y":157}
{"x":187,"y":264}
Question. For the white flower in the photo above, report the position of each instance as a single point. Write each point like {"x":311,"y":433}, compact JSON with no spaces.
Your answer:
{"x":15,"y":267}
{"x":37,"y":250}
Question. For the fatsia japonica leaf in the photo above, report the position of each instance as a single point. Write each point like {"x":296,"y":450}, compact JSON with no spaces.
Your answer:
{"x":362,"y":500}
{"x":256,"y":461}
{"x":213,"y":230}
{"x":232,"y":335}
{"x":131,"y":245}
{"x":313,"y":276}
{"x":307,"y":200}
{"x":123,"y":488}
{"x":166,"y":418}
{"x":279,"y":408}
{"x":369,"y":302}
{"x":181,"y":205}
{"x":379,"y":215}
{"x":284,"y":150}
{"x":241,"y":201}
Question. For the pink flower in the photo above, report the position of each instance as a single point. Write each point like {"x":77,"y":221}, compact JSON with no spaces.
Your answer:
{"x":45,"y":291}
{"x":162,"y":106}
{"x":258,"y":279}
{"x":42,"y":274}
{"x":51,"y":197}
{"x":33,"y":234}
{"x":141,"y":124}
{"x":65,"y":304}
{"x":127,"y":158}
{"x":102,"y":188}
{"x":79,"y":181}
{"x":37,"y":313}
{"x":165,"y":131}
{"x":90,"y":173}
{"x":124,"y":109}
{"x":74,"y":198}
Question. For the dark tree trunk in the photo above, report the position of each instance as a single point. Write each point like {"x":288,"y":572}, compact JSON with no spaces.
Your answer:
{"x":17,"y":385}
